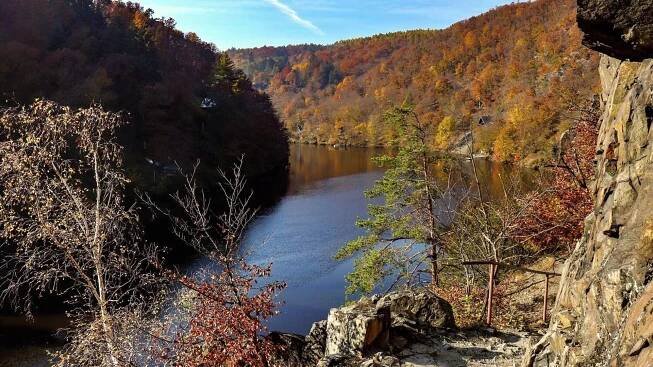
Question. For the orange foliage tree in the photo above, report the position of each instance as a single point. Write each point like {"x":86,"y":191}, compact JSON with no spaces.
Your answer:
{"x":556,"y":213}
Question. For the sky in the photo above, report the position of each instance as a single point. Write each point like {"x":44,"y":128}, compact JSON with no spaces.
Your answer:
{"x":253,"y":23}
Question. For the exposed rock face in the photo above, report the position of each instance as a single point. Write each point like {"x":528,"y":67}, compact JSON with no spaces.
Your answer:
{"x":315,"y":343}
{"x":357,"y":329}
{"x":604,"y":295}
{"x":618,"y":28}
{"x":292,"y":348}
{"x":367,"y":332}
{"x":637,"y":335}
{"x":424,"y":309}
{"x":604,"y":308}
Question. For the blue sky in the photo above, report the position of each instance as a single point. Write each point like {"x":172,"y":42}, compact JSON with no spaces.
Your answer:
{"x":249,"y":23}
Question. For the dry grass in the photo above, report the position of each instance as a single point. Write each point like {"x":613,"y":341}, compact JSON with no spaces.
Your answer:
{"x":518,"y":299}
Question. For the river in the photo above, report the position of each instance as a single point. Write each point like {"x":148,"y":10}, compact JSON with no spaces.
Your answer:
{"x":300,"y":234}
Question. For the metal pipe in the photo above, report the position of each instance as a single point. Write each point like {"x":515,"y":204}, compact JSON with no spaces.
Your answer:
{"x":491,"y":262}
{"x":546,"y":300}
{"x":490,"y":295}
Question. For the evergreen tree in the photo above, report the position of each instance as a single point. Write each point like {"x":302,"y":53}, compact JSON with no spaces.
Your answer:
{"x":403,"y":231}
{"x":227,"y":78}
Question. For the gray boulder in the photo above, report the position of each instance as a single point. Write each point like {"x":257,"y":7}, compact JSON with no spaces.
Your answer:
{"x":419,"y":306}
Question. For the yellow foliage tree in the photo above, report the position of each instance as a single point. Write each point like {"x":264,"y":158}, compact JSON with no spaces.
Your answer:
{"x":470,"y":40}
{"x":518,"y":118}
{"x":301,"y":67}
{"x":444,"y":132}
{"x":505,"y":148}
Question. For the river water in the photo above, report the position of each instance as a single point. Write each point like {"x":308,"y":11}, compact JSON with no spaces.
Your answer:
{"x":300,"y":234}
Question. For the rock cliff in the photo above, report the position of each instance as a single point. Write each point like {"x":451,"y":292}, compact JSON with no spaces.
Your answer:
{"x":604,"y":308}
{"x":618,"y":28}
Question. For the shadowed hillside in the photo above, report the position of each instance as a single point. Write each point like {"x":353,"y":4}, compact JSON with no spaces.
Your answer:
{"x":186,"y":101}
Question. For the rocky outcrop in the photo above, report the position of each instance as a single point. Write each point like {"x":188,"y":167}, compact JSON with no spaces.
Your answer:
{"x":367,"y":326}
{"x":315,"y":345}
{"x":618,"y":28}
{"x":604,"y":308}
{"x":408,"y":328}
{"x":365,"y":330}
{"x":357,"y":329}
{"x":291,"y":348}
{"x":422,"y":309}
{"x":604,"y":285}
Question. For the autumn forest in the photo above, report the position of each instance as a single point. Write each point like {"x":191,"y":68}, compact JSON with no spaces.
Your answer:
{"x":119,"y":55}
{"x":511,"y":74}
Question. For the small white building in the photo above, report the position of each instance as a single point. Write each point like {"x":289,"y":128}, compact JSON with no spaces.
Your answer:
{"x":208,"y":103}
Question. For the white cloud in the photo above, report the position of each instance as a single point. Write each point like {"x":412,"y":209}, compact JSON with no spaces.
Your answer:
{"x":292,"y":14}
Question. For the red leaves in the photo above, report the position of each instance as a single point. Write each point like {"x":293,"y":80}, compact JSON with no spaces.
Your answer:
{"x":218,"y":318}
{"x":226,"y":320}
{"x":556,"y":214}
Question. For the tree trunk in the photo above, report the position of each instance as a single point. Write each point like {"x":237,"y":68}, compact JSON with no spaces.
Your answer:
{"x":432,"y":222}
{"x":105,"y":317}
{"x":434,"y":264}
{"x":490,"y":294}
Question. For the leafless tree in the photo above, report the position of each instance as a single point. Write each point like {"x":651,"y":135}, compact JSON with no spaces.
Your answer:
{"x":195,"y":221}
{"x":66,"y":228}
{"x":489,"y":231}
{"x":488,"y":228}
{"x":220,"y":310}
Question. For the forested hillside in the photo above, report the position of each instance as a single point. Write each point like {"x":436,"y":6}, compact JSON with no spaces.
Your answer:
{"x":185,"y":100}
{"x":512,"y":73}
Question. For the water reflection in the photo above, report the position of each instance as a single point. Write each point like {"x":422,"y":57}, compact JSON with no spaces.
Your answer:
{"x":24,"y":343}
{"x":310,"y":164}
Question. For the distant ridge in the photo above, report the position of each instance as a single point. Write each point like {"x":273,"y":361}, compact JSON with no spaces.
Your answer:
{"x":521,"y":64}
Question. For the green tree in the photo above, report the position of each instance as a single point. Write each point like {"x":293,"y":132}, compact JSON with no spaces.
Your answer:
{"x":403,"y":231}
{"x":226,"y":77}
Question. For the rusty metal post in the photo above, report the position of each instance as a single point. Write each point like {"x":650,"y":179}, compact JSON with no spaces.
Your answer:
{"x":490,"y":295}
{"x":546,"y":299}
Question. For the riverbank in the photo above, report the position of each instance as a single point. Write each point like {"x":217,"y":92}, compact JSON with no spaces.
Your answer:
{"x":460,"y":151}
{"x":26,"y":343}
